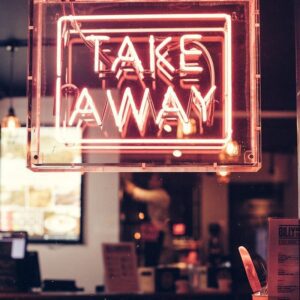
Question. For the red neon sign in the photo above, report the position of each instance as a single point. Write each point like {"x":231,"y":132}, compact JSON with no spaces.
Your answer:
{"x":168,"y":86}
{"x":173,"y":69}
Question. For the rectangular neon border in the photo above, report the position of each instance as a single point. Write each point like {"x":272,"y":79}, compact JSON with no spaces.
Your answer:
{"x":152,"y":144}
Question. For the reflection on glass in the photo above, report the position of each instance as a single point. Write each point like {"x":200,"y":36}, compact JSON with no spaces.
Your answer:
{"x":157,"y":214}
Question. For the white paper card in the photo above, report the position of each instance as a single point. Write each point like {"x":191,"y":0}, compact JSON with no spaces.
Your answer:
{"x":283,"y":259}
{"x":120,"y":263}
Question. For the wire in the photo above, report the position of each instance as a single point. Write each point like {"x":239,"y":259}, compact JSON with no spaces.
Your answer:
{"x":90,"y":45}
{"x":11,"y":49}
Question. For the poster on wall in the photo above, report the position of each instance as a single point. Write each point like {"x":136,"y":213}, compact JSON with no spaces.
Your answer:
{"x":284,"y":258}
{"x":154,"y":86}
{"x":47,"y":206}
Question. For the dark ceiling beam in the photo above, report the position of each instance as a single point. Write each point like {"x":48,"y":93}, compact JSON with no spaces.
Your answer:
{"x":14,"y":42}
{"x":24,"y":42}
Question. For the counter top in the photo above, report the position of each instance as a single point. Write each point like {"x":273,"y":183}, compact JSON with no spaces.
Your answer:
{"x":104,"y":296}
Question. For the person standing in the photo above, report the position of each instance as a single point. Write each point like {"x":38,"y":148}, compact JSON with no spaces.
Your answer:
{"x":158,"y":202}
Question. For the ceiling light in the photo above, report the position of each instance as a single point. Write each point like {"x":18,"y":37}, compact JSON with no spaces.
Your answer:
{"x":10,"y":120}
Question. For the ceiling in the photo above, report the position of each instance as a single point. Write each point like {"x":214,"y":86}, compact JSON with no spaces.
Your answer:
{"x":278,"y":83}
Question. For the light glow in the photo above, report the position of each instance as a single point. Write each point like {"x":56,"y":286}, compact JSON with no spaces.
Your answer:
{"x":177,"y":153}
{"x":137,"y":235}
{"x":223,"y":173}
{"x":10,"y":122}
{"x":189,"y":128}
{"x":232,"y":148}
{"x":179,"y":229}
{"x":167,"y":128}
{"x":223,"y":176}
{"x":141,"y":216}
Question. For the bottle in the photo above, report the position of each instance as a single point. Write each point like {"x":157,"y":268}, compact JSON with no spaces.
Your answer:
{"x":203,"y":277}
{"x":198,"y":278}
{"x":215,"y":254}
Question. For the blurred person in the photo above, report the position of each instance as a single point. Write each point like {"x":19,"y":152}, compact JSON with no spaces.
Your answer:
{"x":157,"y":199}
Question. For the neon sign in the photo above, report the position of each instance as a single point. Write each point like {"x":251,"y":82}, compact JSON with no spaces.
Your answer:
{"x":156,"y":75}
{"x":151,"y":79}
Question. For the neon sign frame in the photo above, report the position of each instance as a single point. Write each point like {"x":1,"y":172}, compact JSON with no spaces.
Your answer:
{"x":191,"y":42}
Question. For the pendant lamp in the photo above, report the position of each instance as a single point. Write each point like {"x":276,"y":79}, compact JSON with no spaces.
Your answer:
{"x":10,"y":120}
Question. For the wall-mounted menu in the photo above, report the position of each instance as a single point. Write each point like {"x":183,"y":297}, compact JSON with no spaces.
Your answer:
{"x":46,"y":205}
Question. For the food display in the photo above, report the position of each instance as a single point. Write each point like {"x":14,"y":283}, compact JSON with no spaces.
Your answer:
{"x":46,"y":205}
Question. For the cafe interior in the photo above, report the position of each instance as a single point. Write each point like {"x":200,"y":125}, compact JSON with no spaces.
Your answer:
{"x":67,"y":223}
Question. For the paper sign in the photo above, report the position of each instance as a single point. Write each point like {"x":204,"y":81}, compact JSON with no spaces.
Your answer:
{"x":283,"y":259}
{"x":120,"y":264}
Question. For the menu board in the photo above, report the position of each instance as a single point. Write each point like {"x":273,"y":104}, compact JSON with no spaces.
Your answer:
{"x":46,"y":205}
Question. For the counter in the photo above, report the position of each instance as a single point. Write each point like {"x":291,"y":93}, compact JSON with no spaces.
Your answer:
{"x":100,"y":296}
